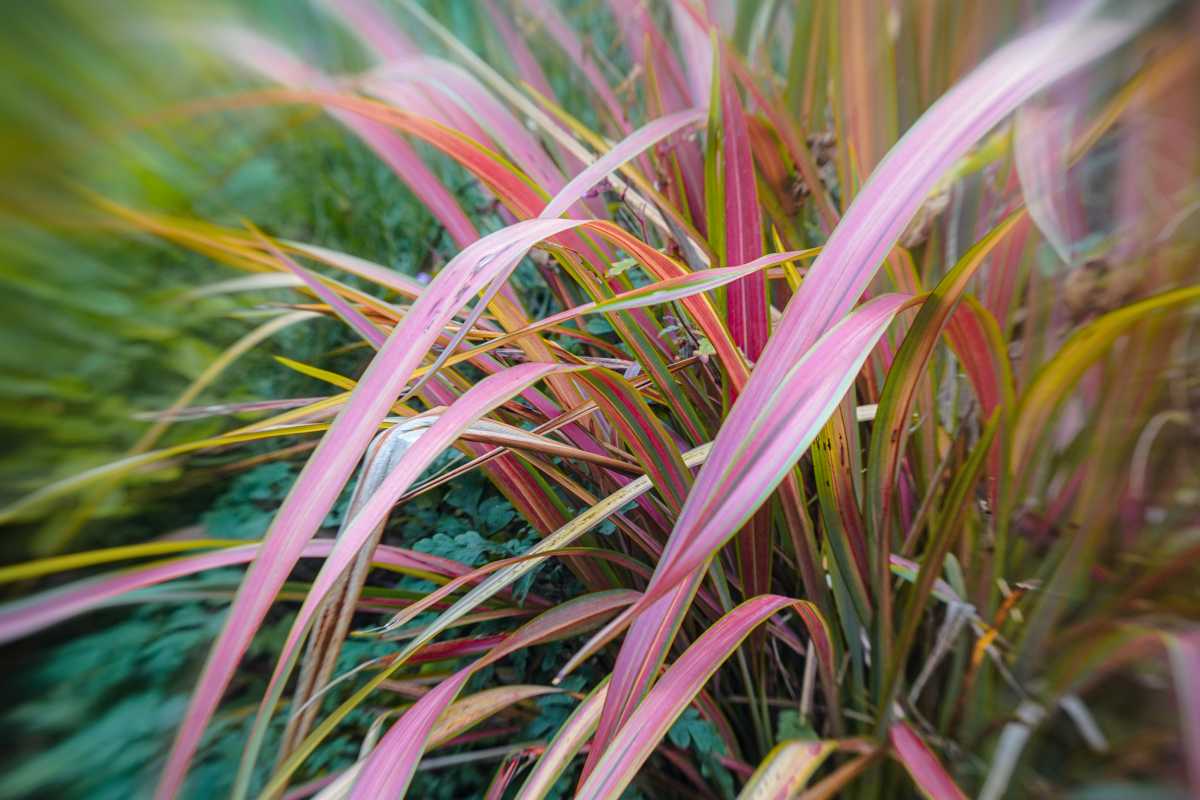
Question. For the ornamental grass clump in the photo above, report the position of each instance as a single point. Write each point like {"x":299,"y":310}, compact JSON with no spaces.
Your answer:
{"x":842,"y":354}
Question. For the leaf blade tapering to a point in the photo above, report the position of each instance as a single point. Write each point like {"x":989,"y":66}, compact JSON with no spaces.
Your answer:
{"x":927,"y":772}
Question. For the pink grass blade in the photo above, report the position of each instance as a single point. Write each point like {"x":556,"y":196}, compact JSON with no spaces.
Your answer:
{"x":348,"y":314}
{"x":628,"y":148}
{"x":390,"y":766}
{"x":566,"y":743}
{"x":684,"y":679}
{"x":746,"y":300}
{"x":923,"y":766}
{"x":1041,"y":138}
{"x":747,"y":304}
{"x":1183,"y":652}
{"x":38,"y":612}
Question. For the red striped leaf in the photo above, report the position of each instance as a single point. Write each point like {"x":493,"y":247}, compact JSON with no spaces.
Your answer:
{"x":32,"y":614}
{"x":923,"y":766}
{"x":684,"y":679}
{"x":746,"y":301}
{"x":390,"y":766}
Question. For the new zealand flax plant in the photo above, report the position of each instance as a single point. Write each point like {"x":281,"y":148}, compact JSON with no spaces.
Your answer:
{"x":844,"y":353}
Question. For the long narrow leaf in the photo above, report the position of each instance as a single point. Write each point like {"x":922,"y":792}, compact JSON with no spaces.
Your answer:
{"x":676,"y":689}
{"x":926,"y":771}
{"x":389,"y":768}
{"x":786,"y":770}
{"x":23,"y":617}
{"x":567,"y":742}
{"x":1183,"y":651}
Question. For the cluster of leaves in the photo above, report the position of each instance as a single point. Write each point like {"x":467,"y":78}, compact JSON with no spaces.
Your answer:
{"x":881,"y":546}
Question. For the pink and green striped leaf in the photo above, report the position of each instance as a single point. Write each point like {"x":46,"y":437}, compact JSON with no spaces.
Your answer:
{"x":923,"y":766}
{"x":786,"y":770}
{"x":38,"y":612}
{"x":565,"y":745}
{"x":389,"y":768}
{"x":746,"y":300}
{"x":684,"y":679}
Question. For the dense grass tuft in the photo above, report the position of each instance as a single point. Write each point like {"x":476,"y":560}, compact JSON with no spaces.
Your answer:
{"x":811,"y":384}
